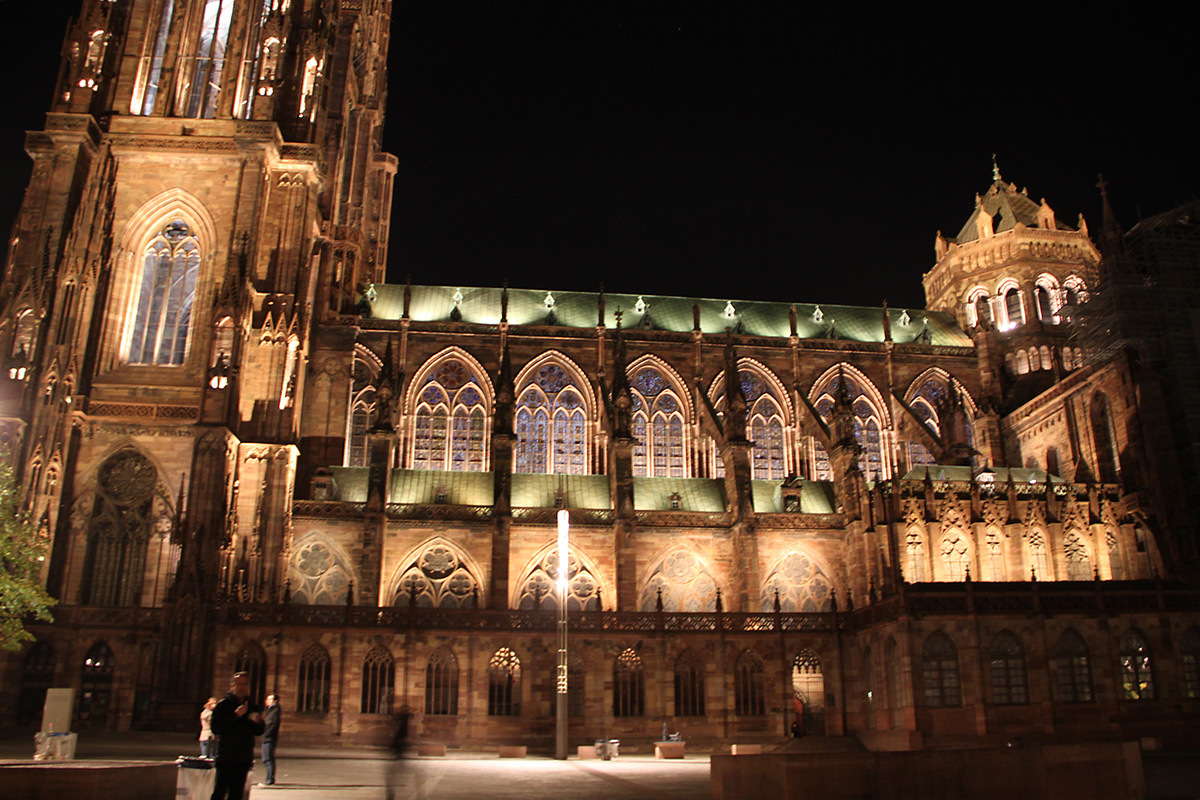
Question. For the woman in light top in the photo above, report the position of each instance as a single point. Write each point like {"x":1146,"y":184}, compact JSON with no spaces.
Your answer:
{"x":208,"y":740}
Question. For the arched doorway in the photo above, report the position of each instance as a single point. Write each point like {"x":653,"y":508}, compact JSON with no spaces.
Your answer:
{"x":95,"y":693}
{"x":808,"y":693}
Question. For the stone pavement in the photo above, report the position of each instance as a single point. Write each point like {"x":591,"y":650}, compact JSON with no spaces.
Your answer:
{"x":364,"y":774}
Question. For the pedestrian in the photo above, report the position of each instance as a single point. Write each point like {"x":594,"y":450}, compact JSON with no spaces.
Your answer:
{"x":236,"y":720}
{"x":208,"y":740}
{"x":270,"y":737}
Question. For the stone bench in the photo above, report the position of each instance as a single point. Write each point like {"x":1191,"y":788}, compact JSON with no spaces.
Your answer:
{"x":747,"y":750}
{"x":586,"y":751}
{"x":431,"y":749}
{"x":668,"y":749}
{"x":512,"y":751}
{"x":96,"y":780}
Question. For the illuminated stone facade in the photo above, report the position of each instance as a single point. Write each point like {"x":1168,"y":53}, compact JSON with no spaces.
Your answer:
{"x":249,"y":451}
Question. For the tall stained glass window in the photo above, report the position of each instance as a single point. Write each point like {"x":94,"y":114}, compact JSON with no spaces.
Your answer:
{"x":163,"y":313}
{"x":450,"y":420}
{"x":551,"y":425}
{"x":868,"y":427}
{"x":658,"y":426}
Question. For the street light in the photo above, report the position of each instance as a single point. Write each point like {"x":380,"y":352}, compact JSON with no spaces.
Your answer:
{"x":560,"y":738}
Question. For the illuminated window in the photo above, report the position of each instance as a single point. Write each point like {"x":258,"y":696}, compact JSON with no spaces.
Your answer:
{"x":551,"y":425}
{"x":504,"y":684}
{"x":658,"y":426}
{"x":1137,"y":673}
{"x":629,"y":694}
{"x":163,"y":312}
{"x":956,"y":556}
{"x":450,"y":420}
{"x":868,"y":422}
{"x":995,"y":556}
{"x":683,"y":582}
{"x":800,"y":585}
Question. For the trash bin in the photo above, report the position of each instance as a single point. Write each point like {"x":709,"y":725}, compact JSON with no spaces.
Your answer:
{"x":197,"y":778}
{"x":607,"y":748}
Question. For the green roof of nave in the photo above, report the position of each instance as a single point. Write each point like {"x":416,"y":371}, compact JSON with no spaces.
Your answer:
{"x":1007,"y":206}
{"x":481,"y":305}
{"x":420,"y":486}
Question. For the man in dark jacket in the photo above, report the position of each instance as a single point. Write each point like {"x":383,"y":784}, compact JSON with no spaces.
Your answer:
{"x":270,"y":737}
{"x":236,"y":721}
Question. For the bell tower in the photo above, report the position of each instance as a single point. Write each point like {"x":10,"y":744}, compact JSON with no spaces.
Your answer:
{"x":208,"y":187}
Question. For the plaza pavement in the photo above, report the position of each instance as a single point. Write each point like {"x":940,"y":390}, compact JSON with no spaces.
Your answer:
{"x":364,"y":774}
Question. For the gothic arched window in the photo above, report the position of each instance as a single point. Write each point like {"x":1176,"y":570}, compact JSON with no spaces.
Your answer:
{"x":1102,"y":436}
{"x":659,"y":425}
{"x":689,"y":686}
{"x":441,"y":683}
{"x":1137,"y":669}
{"x":995,"y":555}
{"x":748,"y":686}
{"x":800,"y":585}
{"x":1072,"y":668}
{"x":551,"y":425}
{"x":163,"y":313}
{"x":1039,"y":557}
{"x":450,"y":420}
{"x":252,"y":660}
{"x":362,"y":410}
{"x":119,"y":531}
{"x":539,"y":589}
{"x":318,"y":575}
{"x":684,"y":582}
{"x":629,"y":693}
{"x":956,"y":556}
{"x":95,"y":691}
{"x":766,"y":421}
{"x":313,"y":684}
{"x":37,"y":675}
{"x":939,"y":670}
{"x":914,"y":556}
{"x":504,"y":684}
{"x":1007,"y":659}
{"x":1078,"y":556}
{"x":210,"y":58}
{"x":438,"y":578}
{"x":378,"y":681}
{"x":868,"y":422}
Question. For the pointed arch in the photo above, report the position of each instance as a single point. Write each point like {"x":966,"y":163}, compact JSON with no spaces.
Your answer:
{"x":319,"y":571}
{"x":450,"y":401}
{"x":363,"y":379}
{"x":555,"y":414}
{"x":1039,"y":555}
{"x":378,"y":681}
{"x":957,"y":553}
{"x":661,"y":419}
{"x":915,"y":555}
{"x":96,"y":680}
{"x":1072,"y":668}
{"x":1137,"y":666}
{"x":683,"y":576}
{"x":871,"y":420}
{"x":441,"y":683}
{"x":313,"y":680}
{"x":1010,"y":681}
{"x":1077,"y":552}
{"x":749,"y":685}
{"x":536,"y":587}
{"x":1104,"y":438}
{"x":690,"y":684}
{"x":252,"y":659}
{"x":801,"y":581}
{"x":770,"y":418}
{"x":439,"y":574}
{"x":939,"y":669}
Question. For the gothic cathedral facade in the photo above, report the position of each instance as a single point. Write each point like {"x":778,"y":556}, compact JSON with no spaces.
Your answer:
{"x":246,"y":450}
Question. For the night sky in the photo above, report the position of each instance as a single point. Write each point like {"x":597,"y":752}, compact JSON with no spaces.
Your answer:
{"x":717,"y":150}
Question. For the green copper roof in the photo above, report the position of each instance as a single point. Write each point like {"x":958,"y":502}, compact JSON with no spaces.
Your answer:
{"x":579,"y":310}
{"x":695,"y":494}
{"x":816,"y":497}
{"x":424,"y":486}
{"x":1007,"y":207}
{"x":351,"y":483}
{"x":541,"y":491}
{"x":1019,"y":474}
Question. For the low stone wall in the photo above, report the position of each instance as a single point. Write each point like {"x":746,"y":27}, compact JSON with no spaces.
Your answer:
{"x":1100,"y":771}
{"x":95,"y":780}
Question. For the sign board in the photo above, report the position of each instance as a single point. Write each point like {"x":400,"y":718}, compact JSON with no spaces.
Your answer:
{"x":56,"y":713}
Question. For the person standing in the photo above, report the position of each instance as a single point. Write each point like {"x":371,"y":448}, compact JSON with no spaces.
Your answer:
{"x":208,"y":739}
{"x":236,"y":720}
{"x":270,"y":737}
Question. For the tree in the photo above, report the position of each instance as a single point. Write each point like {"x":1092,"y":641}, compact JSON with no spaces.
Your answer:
{"x":22,"y":551}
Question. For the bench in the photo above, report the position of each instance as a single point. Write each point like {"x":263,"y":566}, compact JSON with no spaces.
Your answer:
{"x":668,"y":749}
{"x":512,"y":751}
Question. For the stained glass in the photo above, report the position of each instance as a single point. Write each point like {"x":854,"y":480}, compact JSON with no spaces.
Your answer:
{"x":164,"y":306}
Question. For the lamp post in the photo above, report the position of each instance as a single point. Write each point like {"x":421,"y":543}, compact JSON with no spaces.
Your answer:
{"x":560,"y":738}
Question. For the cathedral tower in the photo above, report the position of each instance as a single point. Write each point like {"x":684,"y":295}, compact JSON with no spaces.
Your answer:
{"x":207,"y":188}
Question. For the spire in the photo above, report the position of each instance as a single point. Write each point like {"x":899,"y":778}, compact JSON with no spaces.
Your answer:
{"x":995,"y":169}
{"x":1112,"y":242}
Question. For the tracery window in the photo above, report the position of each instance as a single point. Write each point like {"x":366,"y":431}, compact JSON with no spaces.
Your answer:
{"x":37,"y":675}
{"x":317,"y":575}
{"x":540,"y":588}
{"x":504,"y":684}
{"x":868,"y":422}
{"x":801,"y":586}
{"x":438,"y":578}
{"x":362,"y":414}
{"x":689,"y":686}
{"x":312,"y":685}
{"x":956,"y":556}
{"x":1039,"y":558}
{"x":1137,"y":672}
{"x":450,"y":427}
{"x":378,"y":681}
{"x":152,"y":69}
{"x":748,"y":686}
{"x":1116,"y":564}
{"x":551,"y":425}
{"x":95,"y":691}
{"x":441,"y":683}
{"x":995,"y":555}
{"x":766,"y":416}
{"x":1007,"y":660}
{"x":1072,"y":668}
{"x":123,"y":518}
{"x":925,"y":401}
{"x":210,"y":58}
{"x":808,"y":683}
{"x":163,"y":312}
{"x":1189,"y":656}
{"x":1079,"y":560}
{"x":252,"y":660}
{"x":629,"y":695}
{"x":685,"y":584}
{"x":939,"y":668}
{"x":914,"y":556}
{"x":658,"y":426}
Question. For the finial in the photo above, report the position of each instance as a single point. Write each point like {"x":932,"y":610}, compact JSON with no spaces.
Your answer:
{"x":619,"y":313}
{"x":995,"y":168}
{"x":792,"y":319}
{"x":600,"y":303}
{"x":504,"y":302}
{"x":719,"y":604}
{"x":1102,"y":185}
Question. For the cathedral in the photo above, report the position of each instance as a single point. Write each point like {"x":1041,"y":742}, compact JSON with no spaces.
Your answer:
{"x":919,"y":527}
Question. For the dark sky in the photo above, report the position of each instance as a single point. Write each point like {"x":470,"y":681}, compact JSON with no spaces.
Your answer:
{"x":717,"y":150}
